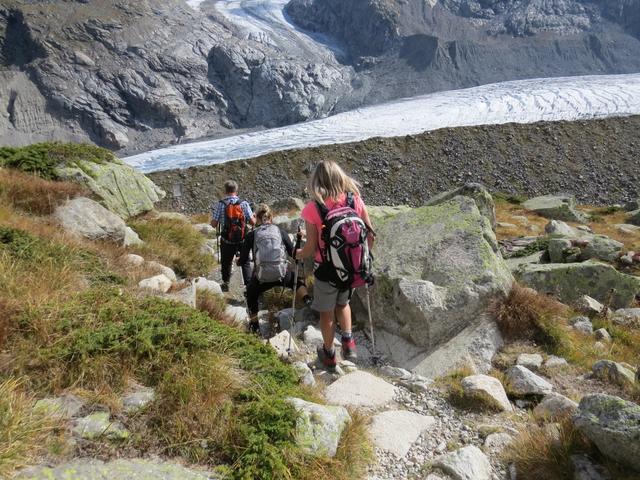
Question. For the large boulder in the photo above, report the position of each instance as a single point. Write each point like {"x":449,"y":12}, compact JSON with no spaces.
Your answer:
{"x":613,"y":424}
{"x":120,"y":188}
{"x":87,"y":218}
{"x":555,"y":207}
{"x":437,"y":268}
{"x":487,"y":390}
{"x":477,"y":192}
{"x":570,"y":281}
{"x":319,"y":427}
{"x":554,"y":407}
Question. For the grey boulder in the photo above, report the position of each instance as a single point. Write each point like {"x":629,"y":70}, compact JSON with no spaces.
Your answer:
{"x":488,"y":390}
{"x":87,"y":218}
{"x":556,"y":207}
{"x":523,"y":381}
{"x":477,"y":192}
{"x":554,"y":407}
{"x":570,"y":281}
{"x":395,"y":431}
{"x":467,"y":463}
{"x":319,"y":427}
{"x":440,"y":269}
{"x":613,"y":425}
{"x":613,"y":372}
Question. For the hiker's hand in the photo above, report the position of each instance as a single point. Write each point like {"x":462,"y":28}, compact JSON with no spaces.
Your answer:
{"x":298,"y":254}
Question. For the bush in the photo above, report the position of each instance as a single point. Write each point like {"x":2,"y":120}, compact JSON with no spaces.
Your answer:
{"x":174,"y":243}
{"x":32,"y":194}
{"x":42,"y":158}
{"x":524,"y":314}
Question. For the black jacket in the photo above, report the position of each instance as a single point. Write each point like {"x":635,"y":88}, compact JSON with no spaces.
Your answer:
{"x":247,"y":245}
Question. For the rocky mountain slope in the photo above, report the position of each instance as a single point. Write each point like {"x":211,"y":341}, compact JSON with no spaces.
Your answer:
{"x":133,"y":75}
{"x":596,"y":160}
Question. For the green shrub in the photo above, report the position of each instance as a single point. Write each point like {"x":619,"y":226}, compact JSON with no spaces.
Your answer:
{"x":540,"y":245}
{"x":43,"y":158}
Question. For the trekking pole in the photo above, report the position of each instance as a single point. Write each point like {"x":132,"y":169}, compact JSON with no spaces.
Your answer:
{"x":374,"y":356}
{"x":295,"y":286}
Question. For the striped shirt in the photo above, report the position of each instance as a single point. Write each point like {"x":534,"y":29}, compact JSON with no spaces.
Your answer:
{"x":218,"y":209}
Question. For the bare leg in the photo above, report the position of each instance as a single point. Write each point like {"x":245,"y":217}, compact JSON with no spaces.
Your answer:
{"x":328,"y":328}
{"x":343,"y":314}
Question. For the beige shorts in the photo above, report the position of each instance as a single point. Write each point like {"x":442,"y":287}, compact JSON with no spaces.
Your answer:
{"x":326,"y":296}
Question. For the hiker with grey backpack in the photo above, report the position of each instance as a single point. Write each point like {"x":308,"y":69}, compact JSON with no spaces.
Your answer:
{"x":339,"y":238}
{"x":271,"y":247}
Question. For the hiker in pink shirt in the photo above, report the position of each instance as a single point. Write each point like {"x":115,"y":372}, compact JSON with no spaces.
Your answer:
{"x":331,"y":188}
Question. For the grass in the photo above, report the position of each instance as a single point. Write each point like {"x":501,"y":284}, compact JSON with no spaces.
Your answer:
{"x":174,"y":243}
{"x":25,"y":433}
{"x":42,"y":158}
{"x":32,"y":194}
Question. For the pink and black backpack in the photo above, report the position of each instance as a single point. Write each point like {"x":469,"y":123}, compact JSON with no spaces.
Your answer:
{"x":346,"y":260}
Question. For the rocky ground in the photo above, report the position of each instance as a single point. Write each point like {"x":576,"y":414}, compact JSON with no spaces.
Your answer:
{"x":596,"y":160}
{"x":506,"y":343}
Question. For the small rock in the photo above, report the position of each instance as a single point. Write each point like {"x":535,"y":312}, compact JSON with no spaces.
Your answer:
{"x":166,"y":271}
{"x":305,"y":375}
{"x":602,"y":335}
{"x":205,"y":229}
{"x":496,"y":442}
{"x":554,"y":362}
{"x":137,"y":401}
{"x":488,"y":390}
{"x":468,"y":463}
{"x":281,"y":342}
{"x":554,"y":407}
{"x":395,"y":431}
{"x":132,"y":260}
{"x":360,"y":389}
{"x":206,"y":285}
{"x":98,"y":425}
{"x":627,"y":317}
{"x":532,"y":361}
{"x":67,"y":406}
{"x":558,"y":227}
{"x":582,"y":325}
{"x":131,"y":238}
{"x":159,"y":284}
{"x":613,"y":372}
{"x":524,"y":382}
{"x":395,"y":372}
{"x":319,"y":427}
{"x":589,"y":305}
{"x":237,"y":314}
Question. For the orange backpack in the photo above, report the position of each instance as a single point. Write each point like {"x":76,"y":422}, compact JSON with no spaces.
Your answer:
{"x":234,"y":222}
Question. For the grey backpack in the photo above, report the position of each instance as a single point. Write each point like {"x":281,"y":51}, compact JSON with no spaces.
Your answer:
{"x":269,"y":254}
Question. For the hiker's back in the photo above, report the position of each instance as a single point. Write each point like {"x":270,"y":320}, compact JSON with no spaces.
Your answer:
{"x":269,"y":254}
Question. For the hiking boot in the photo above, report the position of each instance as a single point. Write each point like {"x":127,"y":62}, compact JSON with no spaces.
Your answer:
{"x":224,"y":287}
{"x":349,"y":351}
{"x":329,"y":362}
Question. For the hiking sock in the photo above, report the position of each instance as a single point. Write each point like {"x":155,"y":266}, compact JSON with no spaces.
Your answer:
{"x":346,"y":335}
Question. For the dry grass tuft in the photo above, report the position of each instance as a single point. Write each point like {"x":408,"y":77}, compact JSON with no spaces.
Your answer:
{"x":215,"y":306}
{"x":522,"y":313}
{"x":33,"y":194}
{"x":24,"y":433}
{"x":544,"y":452}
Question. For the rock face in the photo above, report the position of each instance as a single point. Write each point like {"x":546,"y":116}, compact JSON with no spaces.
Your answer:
{"x":120,"y":188}
{"x":613,"y":424}
{"x":555,"y":207}
{"x":319,"y":427}
{"x":89,"y":219}
{"x":482,"y":197}
{"x":573,"y":280}
{"x":83,"y":469}
{"x":441,"y":267}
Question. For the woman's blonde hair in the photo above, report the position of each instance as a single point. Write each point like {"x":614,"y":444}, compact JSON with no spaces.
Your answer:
{"x":264,"y":213}
{"x":328,"y":180}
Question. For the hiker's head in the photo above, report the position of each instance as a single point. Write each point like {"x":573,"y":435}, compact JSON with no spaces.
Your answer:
{"x":230,"y":187}
{"x":264,"y":214}
{"x":328,"y":180}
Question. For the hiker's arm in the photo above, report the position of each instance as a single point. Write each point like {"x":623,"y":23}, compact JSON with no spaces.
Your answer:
{"x":214,"y":223}
{"x":309,"y":248}
{"x":367,"y":221}
{"x":288,"y":245}
{"x":215,"y":215}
